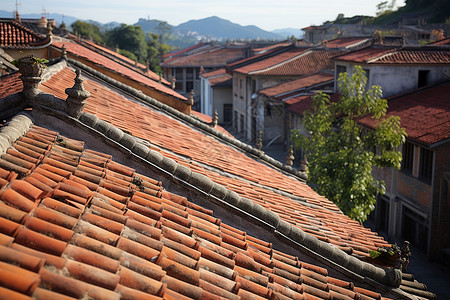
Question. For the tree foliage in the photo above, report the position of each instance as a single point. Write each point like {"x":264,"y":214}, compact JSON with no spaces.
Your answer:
{"x":130,"y":38}
{"x":88,"y":31}
{"x":156,"y":50}
{"x":341,"y":153}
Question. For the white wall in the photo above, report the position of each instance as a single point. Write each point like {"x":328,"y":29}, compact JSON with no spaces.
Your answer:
{"x":398,"y":79}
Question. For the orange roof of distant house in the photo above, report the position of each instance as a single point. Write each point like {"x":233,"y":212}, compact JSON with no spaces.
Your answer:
{"x":274,"y":46}
{"x":15,"y":35}
{"x":182,"y":51}
{"x":424,"y":113}
{"x":110,"y":64}
{"x":345,"y":42}
{"x":211,"y":57}
{"x":384,"y":55}
{"x":442,"y":42}
{"x":297,"y":84}
{"x":295,"y":62}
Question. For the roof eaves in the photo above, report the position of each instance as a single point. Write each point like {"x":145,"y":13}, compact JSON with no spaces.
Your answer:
{"x":280,"y":63}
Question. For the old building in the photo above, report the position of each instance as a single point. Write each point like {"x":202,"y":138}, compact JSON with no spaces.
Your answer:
{"x":417,"y":198}
{"x":398,"y":69}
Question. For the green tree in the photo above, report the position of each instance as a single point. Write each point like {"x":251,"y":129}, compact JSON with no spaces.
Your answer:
{"x":341,"y":153}
{"x":155,"y":51}
{"x":130,"y":38}
{"x":87,"y":31}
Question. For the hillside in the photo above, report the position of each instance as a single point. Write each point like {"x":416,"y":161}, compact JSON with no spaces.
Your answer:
{"x":215,"y":27}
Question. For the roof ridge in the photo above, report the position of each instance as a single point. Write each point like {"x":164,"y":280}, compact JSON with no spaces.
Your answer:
{"x":193,"y":121}
{"x":326,"y":252}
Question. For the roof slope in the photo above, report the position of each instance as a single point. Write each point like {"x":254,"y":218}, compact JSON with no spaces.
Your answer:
{"x":385,"y":55}
{"x":76,"y":224}
{"x":291,"y":199}
{"x":295,"y":62}
{"x":293,"y":85}
{"x":424,"y":113}
{"x":211,"y":57}
{"x":97,"y":58}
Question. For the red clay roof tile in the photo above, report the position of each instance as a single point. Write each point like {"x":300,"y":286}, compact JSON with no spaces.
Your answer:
{"x":431,"y":104}
{"x":15,"y":35}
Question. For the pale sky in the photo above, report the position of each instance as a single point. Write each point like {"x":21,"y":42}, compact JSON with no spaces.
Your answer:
{"x":268,"y":15}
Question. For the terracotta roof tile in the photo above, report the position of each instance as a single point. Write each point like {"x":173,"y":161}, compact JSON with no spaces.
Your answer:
{"x":293,"y":85}
{"x":15,"y":35}
{"x":424,"y":113}
{"x":211,"y":57}
{"x":10,"y":84}
{"x":295,"y":62}
{"x":385,"y":55}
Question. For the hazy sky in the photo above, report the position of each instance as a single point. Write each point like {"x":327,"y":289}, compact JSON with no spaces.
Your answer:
{"x":268,"y":15}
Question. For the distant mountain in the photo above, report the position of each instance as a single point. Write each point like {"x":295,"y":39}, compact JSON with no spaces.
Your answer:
{"x":288,"y":32}
{"x":149,"y":25}
{"x":217,"y":28}
{"x":104,"y":27}
{"x":59,"y":18}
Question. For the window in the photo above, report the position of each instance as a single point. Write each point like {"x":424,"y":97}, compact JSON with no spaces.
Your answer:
{"x":241,"y":124}
{"x":179,"y":79}
{"x":426,"y":164}
{"x":235,"y":121}
{"x":423,"y":78}
{"x":408,"y":157}
{"x":227,"y":112}
{"x":382,"y":214}
{"x":415,"y":228}
{"x":241,"y":88}
{"x":340,"y":69}
{"x":253,"y":86}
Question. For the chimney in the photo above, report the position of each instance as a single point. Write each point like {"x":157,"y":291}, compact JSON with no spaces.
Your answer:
{"x":18,"y":17}
{"x":49,"y":30}
{"x":77,"y":96}
{"x":31,"y":70}
{"x":174,"y":80}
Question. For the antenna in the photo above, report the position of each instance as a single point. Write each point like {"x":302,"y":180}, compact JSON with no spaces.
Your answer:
{"x":44,"y":11}
{"x":17,"y":7}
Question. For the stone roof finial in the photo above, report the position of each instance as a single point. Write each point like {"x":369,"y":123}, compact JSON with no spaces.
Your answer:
{"x":215,"y":119}
{"x":49,"y":30}
{"x":31,"y":69}
{"x":77,"y":96}
{"x":63,"y":52}
{"x":159,"y":80}
{"x":202,"y":70}
{"x":191,"y":98}
{"x":174,"y":80}
{"x":18,"y":17}
{"x":259,"y":141}
{"x":290,"y":157}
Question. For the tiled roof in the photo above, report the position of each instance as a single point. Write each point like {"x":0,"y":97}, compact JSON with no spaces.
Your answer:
{"x":385,"y":55}
{"x":15,"y":35}
{"x":183,"y":51}
{"x":76,"y":224}
{"x":293,"y":200}
{"x":208,"y":119}
{"x":425,"y":114}
{"x":297,"y":84}
{"x":298,"y":105}
{"x":271,"y":47}
{"x":10,"y":84}
{"x":110,"y":64}
{"x":212,"y":57}
{"x":345,"y":42}
{"x":214,"y":73}
{"x":443,"y":42}
{"x":295,"y":62}
{"x":120,"y":58}
{"x":218,"y":78}
{"x":270,"y":61}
